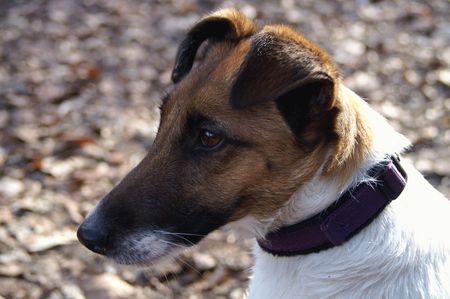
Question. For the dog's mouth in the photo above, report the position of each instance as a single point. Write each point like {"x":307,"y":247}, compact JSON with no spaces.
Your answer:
{"x":127,"y":237}
{"x":144,"y":247}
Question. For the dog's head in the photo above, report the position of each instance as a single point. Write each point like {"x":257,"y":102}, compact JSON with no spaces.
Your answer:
{"x":242,"y":129}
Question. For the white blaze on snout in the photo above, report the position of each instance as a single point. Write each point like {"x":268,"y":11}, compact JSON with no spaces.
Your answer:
{"x":144,"y":247}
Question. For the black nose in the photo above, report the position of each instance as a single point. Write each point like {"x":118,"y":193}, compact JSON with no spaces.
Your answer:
{"x":93,"y":237}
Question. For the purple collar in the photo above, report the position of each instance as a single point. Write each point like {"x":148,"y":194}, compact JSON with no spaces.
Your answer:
{"x":353,"y":211}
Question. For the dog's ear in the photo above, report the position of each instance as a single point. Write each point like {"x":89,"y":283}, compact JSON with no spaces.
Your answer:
{"x":225,"y":24}
{"x":283,"y":66}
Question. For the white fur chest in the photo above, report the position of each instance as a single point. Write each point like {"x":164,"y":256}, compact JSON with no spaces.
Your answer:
{"x":404,"y":253}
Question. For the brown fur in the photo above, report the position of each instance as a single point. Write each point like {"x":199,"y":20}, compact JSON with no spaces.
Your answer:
{"x":274,"y":96}
{"x":263,"y":189}
{"x":243,"y":27}
{"x":353,"y":141}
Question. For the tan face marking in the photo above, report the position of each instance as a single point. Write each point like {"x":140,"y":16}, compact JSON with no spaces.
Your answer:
{"x":261,"y":163}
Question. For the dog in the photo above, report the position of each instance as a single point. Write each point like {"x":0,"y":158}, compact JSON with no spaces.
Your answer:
{"x":261,"y":134}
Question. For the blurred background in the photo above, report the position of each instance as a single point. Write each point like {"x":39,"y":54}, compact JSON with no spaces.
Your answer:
{"x":80,"y":82}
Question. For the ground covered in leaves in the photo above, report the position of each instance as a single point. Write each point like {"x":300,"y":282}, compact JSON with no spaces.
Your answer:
{"x":80,"y":82}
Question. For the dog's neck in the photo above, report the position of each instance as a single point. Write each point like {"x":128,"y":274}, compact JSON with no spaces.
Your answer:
{"x":322,"y":191}
{"x":363,"y":123}
{"x":315,"y":196}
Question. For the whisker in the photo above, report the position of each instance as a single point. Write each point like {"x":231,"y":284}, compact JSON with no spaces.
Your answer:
{"x":177,"y":233}
{"x":165,"y":276}
{"x":189,"y":265}
{"x":178,"y":259}
{"x":172,"y":243}
{"x":189,"y":241}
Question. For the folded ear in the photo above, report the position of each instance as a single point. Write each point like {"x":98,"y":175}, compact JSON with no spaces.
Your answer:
{"x":225,"y":24}
{"x":283,"y":66}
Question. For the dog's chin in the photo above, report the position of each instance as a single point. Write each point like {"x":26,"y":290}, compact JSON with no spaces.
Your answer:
{"x":144,"y":249}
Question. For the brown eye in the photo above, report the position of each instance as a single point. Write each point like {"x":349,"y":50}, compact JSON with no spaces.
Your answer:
{"x":210,"y":139}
